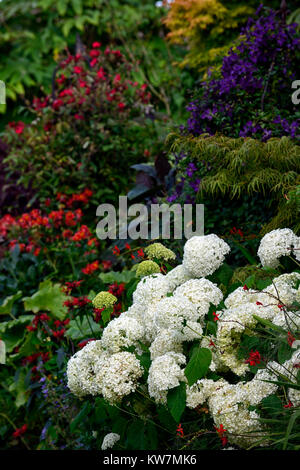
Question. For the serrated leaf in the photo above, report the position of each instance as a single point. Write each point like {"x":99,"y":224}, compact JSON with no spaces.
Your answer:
{"x":177,"y":400}
{"x":49,"y":297}
{"x":198,"y":365}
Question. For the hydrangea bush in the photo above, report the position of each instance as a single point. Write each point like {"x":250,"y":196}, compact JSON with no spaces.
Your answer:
{"x":219,"y":358}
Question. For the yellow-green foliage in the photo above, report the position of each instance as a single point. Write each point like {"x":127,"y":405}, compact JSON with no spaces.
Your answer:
{"x":248,"y":166}
{"x":207,"y":27}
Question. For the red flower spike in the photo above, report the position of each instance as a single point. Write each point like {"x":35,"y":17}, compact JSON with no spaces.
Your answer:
{"x":254,"y":358}
{"x":216,"y":317}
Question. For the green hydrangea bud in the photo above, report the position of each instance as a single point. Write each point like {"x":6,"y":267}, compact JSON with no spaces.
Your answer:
{"x":104,"y":299}
{"x":159,"y":251}
{"x":145,"y":268}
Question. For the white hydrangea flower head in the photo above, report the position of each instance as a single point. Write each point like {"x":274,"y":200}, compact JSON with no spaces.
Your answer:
{"x":165,"y":373}
{"x":81,"y":375}
{"x":287,"y":320}
{"x":165,"y":341}
{"x":228,"y":406}
{"x":173,"y":312}
{"x":177,"y":276}
{"x":273,"y":245}
{"x":150,"y":327}
{"x":233,"y":322}
{"x":203,"y":255}
{"x":122,"y":332}
{"x":202,"y":293}
{"x":151,"y":288}
{"x":110,"y":440}
{"x":282,"y":291}
{"x":199,"y":392}
{"x":118,"y":376}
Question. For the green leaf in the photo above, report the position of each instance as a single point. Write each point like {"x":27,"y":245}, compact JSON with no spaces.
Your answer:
{"x":106,"y":314}
{"x":49,"y":297}
{"x":292,"y":421}
{"x":284,"y":352}
{"x":113,"y":276}
{"x":246,"y":253}
{"x":176,"y":401}
{"x":6,"y":307}
{"x":198,"y":365}
{"x":82,"y":329}
{"x":12,"y":332}
{"x":272,"y":404}
{"x":80,"y":416}
{"x":269,"y":324}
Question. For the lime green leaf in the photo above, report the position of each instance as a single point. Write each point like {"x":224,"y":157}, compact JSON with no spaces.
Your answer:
{"x":125,"y":276}
{"x":198,"y":365}
{"x":49,"y":297}
{"x":6,"y":307}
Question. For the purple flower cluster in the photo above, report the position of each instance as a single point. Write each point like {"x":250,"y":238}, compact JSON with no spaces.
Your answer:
{"x":251,"y":94}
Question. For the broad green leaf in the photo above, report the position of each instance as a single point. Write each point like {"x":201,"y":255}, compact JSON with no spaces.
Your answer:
{"x":82,"y":328}
{"x":198,"y":365}
{"x":6,"y":307}
{"x":125,"y":276}
{"x":13,"y":332}
{"x":80,"y":416}
{"x":177,"y":400}
{"x":49,"y":297}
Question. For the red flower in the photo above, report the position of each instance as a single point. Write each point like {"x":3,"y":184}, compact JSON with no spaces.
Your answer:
{"x":93,"y":62}
{"x":141,"y":253}
{"x":121,"y":106}
{"x":94,"y":53}
{"x":96,"y":44}
{"x":77,"y":69}
{"x":245,"y":287}
{"x":254,"y":358}
{"x":90,"y":268}
{"x":98,"y":314}
{"x":216,"y":316}
{"x":101,"y":73}
{"x":117,"y":78}
{"x":258,"y":303}
{"x":106,"y":265}
{"x":289,"y":405}
{"x":85,"y":342}
{"x":211,"y":343}
{"x":116,"y":251}
{"x":17,"y":126}
{"x":221,"y":430}
{"x":20,"y":431}
{"x":179,"y":431}
{"x":290,"y":339}
{"x":127,"y":246}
